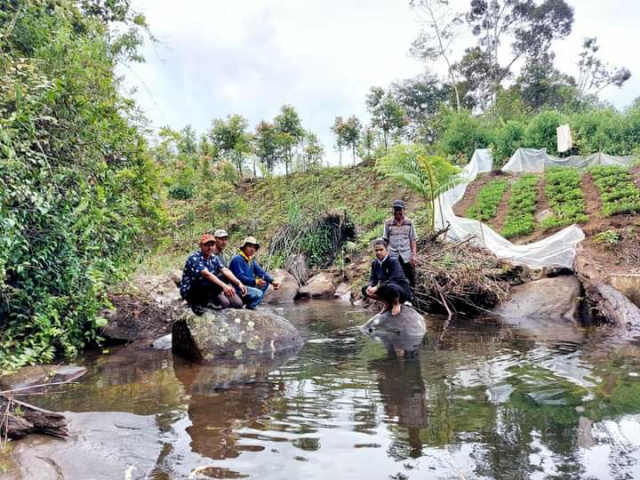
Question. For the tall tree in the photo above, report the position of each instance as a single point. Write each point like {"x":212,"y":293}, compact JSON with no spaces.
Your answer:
{"x":290,"y":132}
{"x":367,"y":142}
{"x":351,"y":133}
{"x":595,"y":75}
{"x":531,"y":25}
{"x":231,"y":138}
{"x":266,"y":144}
{"x":338,"y":129}
{"x":386,"y":113}
{"x":435,"y":40}
{"x":188,"y":145}
{"x":313,"y":152}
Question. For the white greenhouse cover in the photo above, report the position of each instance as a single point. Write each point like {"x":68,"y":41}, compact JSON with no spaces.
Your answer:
{"x":537,"y":161}
{"x":557,"y":250}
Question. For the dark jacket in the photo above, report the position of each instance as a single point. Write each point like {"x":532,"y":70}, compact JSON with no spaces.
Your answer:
{"x":389,"y":270}
{"x":247,"y":272}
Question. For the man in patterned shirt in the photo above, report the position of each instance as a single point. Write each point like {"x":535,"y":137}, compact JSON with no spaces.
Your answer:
{"x":200,"y":285}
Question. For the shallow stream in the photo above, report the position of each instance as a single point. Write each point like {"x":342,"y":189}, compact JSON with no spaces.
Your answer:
{"x":480,"y":400}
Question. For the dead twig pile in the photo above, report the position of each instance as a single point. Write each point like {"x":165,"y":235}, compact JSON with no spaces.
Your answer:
{"x":458,"y":277}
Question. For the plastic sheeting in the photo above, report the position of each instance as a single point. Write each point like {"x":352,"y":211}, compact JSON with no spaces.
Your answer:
{"x":557,"y":250}
{"x":537,"y":161}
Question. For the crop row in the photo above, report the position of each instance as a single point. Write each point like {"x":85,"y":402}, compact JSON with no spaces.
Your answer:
{"x":522,"y":207}
{"x":617,"y":190}
{"x":485,"y":206}
{"x":563,"y":188}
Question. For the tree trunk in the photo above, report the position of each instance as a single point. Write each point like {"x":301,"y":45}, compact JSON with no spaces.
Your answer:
{"x":353,"y":151}
{"x":19,"y":419}
{"x":385,"y":140}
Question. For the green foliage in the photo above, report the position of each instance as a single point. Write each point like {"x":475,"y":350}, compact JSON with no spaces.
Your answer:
{"x":76,"y":184}
{"x":609,"y":238}
{"x":507,"y":140}
{"x":463,"y":134}
{"x":541,"y":131}
{"x":617,"y":190}
{"x":485,"y":206}
{"x":181,"y":192}
{"x":522,"y":207}
{"x":563,"y":188}
{"x":425,"y":174}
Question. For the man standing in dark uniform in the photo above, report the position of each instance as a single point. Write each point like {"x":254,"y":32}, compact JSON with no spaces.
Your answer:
{"x":400,"y":234}
{"x":387,"y":282}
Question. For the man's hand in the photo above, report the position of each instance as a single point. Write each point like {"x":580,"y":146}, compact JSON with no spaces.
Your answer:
{"x":372,"y":290}
{"x":243,"y":289}
{"x":413,"y":260}
{"x":276,"y":284}
{"x":228,"y":290}
{"x":260,"y":283}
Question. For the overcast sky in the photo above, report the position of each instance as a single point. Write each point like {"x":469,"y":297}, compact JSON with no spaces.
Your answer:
{"x":252,"y":56}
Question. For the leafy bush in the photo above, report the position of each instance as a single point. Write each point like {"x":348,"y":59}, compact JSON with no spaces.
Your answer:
{"x":563,"y":188}
{"x":463,"y":134}
{"x":181,"y":192}
{"x":541,"y":131}
{"x":486,"y":204}
{"x":617,"y":190}
{"x":76,"y":184}
{"x":507,"y":140}
{"x":522,"y":207}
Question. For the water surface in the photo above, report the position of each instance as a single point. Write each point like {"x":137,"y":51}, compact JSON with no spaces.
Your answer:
{"x":480,"y":399}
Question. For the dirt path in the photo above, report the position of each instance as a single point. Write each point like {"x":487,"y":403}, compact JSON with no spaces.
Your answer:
{"x":592,"y":205}
{"x":501,"y":215}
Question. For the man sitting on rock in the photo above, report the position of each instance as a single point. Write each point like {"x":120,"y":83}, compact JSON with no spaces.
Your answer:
{"x":251,"y":274}
{"x":200,"y":285}
{"x":387,"y":282}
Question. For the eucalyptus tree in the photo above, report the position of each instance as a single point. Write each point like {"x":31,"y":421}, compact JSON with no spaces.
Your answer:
{"x":351,"y":134}
{"x":312,"y":152}
{"x":338,"y":129}
{"x":267,"y":144}
{"x":594,"y":74}
{"x":290,"y":133}
{"x":386,"y":113}
{"x":232,"y":139}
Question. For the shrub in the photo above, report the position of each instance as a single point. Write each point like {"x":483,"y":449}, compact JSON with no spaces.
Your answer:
{"x":541,"y":131}
{"x":486,"y":204}
{"x":463,"y":134}
{"x":181,"y":192}
{"x":507,"y":140}
{"x":522,"y":207}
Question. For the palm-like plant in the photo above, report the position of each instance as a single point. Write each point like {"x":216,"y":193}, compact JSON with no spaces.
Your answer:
{"x":427,"y":175}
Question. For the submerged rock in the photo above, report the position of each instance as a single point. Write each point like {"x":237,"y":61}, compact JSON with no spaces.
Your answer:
{"x":404,"y":331}
{"x":556,"y":298}
{"x":287,"y":291}
{"x":320,"y":286}
{"x":232,"y":333}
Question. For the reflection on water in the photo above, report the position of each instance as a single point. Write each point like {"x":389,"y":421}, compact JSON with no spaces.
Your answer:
{"x":480,"y":400}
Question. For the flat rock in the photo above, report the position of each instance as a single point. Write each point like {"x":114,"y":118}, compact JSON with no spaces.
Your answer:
{"x":319,"y":286}
{"x":343,"y":291}
{"x":553,"y":298}
{"x":287,"y":291}
{"x":232,"y":333}
{"x":41,"y":375}
{"x":408,"y":322}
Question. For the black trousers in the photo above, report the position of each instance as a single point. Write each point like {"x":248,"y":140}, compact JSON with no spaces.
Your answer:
{"x":409,"y":272}
{"x":389,"y":291}
{"x":202,"y":295}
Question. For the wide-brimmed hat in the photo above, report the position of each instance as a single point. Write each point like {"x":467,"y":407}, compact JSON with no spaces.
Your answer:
{"x":206,"y":238}
{"x":221,"y":233}
{"x":398,"y":204}
{"x":251,"y":241}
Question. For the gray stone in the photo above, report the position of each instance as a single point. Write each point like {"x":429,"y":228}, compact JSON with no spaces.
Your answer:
{"x":287,"y":291}
{"x":40,"y":375}
{"x":176,"y":277}
{"x":343,"y":291}
{"x":543,"y":215}
{"x":628,"y":284}
{"x":320,"y":286}
{"x":232,"y":333}
{"x":404,"y":331}
{"x":552,"y":298}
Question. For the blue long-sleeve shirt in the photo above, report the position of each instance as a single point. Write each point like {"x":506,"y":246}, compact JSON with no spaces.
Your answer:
{"x":248,"y":271}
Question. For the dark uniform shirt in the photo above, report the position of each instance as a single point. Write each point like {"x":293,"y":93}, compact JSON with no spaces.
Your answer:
{"x":388,"y":270}
{"x":191,"y":275}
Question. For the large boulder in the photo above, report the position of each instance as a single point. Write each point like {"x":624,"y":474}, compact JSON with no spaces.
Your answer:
{"x":343,"y":291}
{"x":146,"y":311}
{"x":232,"y":333}
{"x":287,"y":291}
{"x":319,"y":286}
{"x":553,"y":298}
{"x":404,"y":331}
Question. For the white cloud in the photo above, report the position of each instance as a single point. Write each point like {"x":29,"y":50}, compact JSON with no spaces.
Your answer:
{"x":250,"y":57}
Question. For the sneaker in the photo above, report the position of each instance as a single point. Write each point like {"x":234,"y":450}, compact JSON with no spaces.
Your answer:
{"x":408,"y":303}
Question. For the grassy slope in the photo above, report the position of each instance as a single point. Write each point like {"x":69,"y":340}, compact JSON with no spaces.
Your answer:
{"x":268,"y":203}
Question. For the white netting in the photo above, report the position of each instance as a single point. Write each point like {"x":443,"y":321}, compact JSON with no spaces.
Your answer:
{"x":537,"y":161}
{"x":557,"y":250}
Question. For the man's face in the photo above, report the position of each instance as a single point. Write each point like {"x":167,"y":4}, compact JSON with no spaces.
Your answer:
{"x":249,"y":250}
{"x":207,"y":248}
{"x":381,"y":252}
{"x":397,"y":213}
{"x":221,"y":243}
